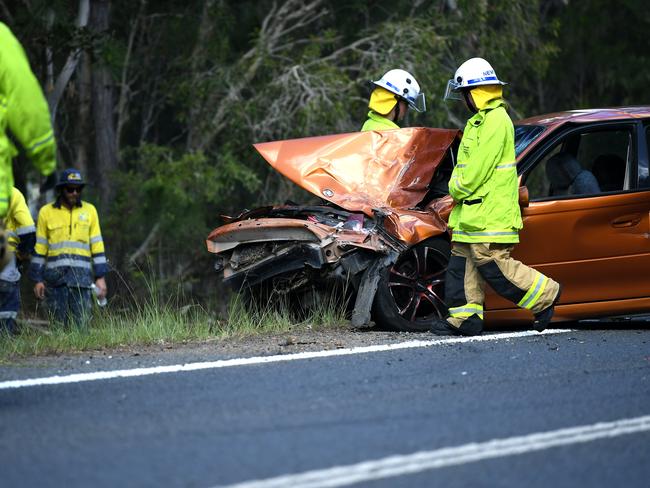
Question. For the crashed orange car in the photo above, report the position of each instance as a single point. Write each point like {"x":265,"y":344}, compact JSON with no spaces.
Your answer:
{"x":380,"y":227}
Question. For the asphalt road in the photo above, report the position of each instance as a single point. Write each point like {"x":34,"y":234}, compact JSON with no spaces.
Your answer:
{"x":227,"y":425}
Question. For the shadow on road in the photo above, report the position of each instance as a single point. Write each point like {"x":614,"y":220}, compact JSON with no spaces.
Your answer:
{"x":632,"y":323}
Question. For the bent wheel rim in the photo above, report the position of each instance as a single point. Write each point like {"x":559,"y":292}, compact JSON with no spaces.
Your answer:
{"x":417,"y":284}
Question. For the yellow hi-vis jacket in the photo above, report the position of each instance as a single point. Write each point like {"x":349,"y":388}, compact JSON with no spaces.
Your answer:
{"x":21,"y":236}
{"x":484,"y":183}
{"x":24,"y":111}
{"x":69,"y":246}
{"x":20,"y":224}
{"x":378,"y":122}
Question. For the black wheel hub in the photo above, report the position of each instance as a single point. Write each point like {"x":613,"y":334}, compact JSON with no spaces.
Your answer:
{"x":417,"y":283}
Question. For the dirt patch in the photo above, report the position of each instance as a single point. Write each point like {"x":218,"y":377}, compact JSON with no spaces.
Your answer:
{"x":311,"y":340}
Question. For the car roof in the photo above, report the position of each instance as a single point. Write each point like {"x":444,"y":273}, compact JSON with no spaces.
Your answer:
{"x":587,"y":115}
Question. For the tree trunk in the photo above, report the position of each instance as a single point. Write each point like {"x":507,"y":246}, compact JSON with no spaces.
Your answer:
{"x":83,"y":124}
{"x":55,"y":89}
{"x":103,"y":111}
{"x":198,"y":57}
{"x":125,"y":84}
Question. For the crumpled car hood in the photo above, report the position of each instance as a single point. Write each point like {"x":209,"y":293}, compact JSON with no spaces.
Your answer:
{"x":362,"y":171}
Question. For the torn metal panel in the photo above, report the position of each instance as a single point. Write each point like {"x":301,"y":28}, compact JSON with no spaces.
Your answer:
{"x":368,"y":288}
{"x":230,"y":235}
{"x":365,"y":171}
{"x":335,"y":240}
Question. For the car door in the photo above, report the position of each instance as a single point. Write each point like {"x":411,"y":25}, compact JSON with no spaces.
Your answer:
{"x":592,"y":237}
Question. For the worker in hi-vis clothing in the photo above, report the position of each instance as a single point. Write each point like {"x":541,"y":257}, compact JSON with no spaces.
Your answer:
{"x":24,"y":112}
{"x":21,"y":233}
{"x":486,"y":219}
{"x":391,"y":98}
{"x":69,"y":254}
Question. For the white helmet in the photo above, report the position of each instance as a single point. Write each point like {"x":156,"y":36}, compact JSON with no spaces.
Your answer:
{"x":404,"y":85}
{"x":473,"y":72}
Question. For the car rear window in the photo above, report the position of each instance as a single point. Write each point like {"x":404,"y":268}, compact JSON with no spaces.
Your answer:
{"x":524,"y":135}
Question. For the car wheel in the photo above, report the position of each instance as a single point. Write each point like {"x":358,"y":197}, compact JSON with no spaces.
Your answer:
{"x":411,"y":292}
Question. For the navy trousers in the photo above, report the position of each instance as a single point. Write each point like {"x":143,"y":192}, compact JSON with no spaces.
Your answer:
{"x":9,"y":305}
{"x":69,"y":305}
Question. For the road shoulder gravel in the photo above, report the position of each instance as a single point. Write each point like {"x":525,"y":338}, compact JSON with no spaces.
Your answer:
{"x":264,"y":344}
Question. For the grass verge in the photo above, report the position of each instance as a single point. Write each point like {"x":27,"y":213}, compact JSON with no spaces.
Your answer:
{"x":155,"y":323}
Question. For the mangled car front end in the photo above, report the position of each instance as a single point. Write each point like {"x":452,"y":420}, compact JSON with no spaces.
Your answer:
{"x":378,"y":229}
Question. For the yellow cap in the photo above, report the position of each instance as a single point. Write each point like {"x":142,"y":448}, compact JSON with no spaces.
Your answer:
{"x":484,"y":94}
{"x":382,"y":101}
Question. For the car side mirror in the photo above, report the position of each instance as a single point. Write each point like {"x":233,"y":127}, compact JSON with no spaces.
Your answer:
{"x":523,"y":197}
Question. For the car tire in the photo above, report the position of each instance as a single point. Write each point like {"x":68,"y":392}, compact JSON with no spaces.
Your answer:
{"x":410,"y":293}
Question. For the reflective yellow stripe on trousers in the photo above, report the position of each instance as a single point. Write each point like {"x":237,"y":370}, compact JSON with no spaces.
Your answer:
{"x":534,"y":292}
{"x":467,"y":310}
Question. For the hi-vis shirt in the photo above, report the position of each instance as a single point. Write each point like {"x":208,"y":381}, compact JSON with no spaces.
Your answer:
{"x":69,"y":246}
{"x":21,"y":233}
{"x":20,"y":224}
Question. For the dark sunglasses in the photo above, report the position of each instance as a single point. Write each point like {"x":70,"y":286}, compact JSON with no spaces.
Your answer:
{"x":73,"y":189}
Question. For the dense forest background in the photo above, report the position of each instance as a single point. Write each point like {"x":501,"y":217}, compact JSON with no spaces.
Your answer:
{"x":158,"y":102}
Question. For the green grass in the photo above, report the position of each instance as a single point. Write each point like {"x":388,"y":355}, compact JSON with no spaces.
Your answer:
{"x":153,"y":322}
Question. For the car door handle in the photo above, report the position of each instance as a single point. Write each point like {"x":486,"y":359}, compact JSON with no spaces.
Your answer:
{"x":627,"y":220}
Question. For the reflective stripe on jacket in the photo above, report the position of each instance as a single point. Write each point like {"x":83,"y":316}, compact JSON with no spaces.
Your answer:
{"x":484,"y":183}
{"x":69,"y":246}
{"x":378,"y":122}
{"x":24,"y":111}
{"x":20,"y":224}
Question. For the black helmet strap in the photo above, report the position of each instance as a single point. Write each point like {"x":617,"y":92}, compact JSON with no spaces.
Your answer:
{"x":397,"y":108}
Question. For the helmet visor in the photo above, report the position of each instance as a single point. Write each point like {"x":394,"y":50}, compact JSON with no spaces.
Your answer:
{"x":452,"y":92}
{"x":419,"y":103}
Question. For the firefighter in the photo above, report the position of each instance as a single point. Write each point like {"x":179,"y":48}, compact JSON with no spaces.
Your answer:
{"x":69,"y":254}
{"x":486,"y":219}
{"x":23,"y":111}
{"x":21,"y":234}
{"x":391,"y":98}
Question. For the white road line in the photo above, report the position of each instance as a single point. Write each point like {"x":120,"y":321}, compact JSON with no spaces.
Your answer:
{"x":227,"y":363}
{"x":427,"y":460}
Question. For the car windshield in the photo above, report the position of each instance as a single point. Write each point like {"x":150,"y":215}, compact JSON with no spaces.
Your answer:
{"x":524,"y":135}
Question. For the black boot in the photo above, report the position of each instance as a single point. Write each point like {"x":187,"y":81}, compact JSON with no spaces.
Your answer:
{"x":443,"y":328}
{"x":543,"y":318}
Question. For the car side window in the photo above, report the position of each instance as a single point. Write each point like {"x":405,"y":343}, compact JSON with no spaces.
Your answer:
{"x":537,"y":181}
{"x":583,"y":163}
{"x":605,"y":154}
